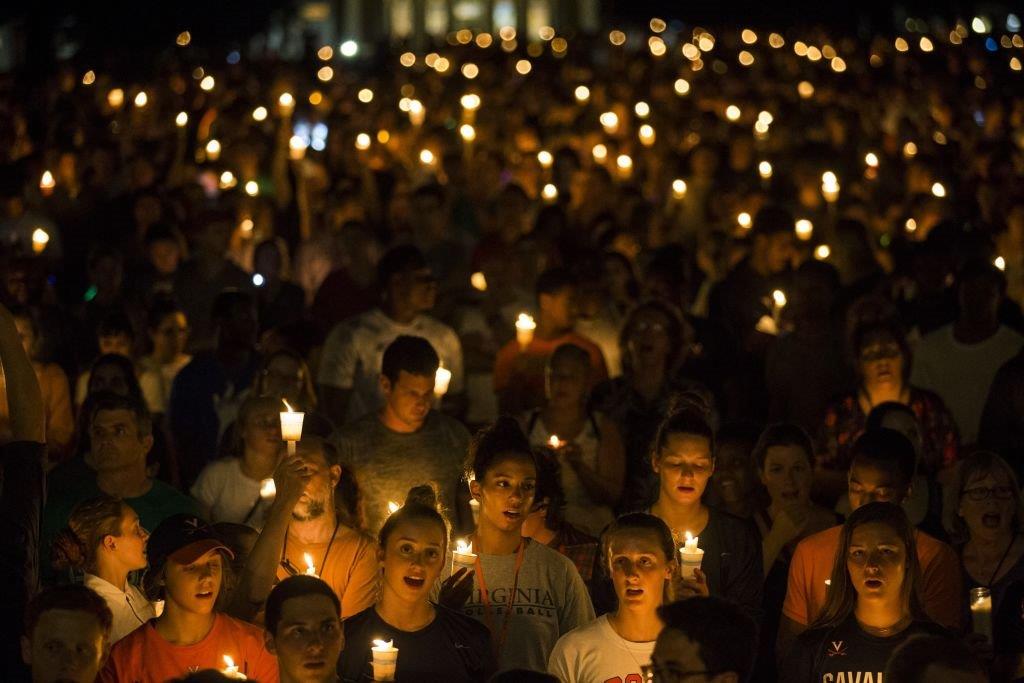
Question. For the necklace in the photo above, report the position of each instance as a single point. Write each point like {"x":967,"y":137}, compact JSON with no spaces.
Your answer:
{"x":886,"y":630}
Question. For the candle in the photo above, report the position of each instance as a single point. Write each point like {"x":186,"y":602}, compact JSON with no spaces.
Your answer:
{"x":385,"y":660}
{"x":231,"y":670}
{"x":296,"y":147}
{"x":678,"y":188}
{"x":268,"y":489}
{"x":181,"y":119}
{"x":981,"y":611}
{"x":393,"y":507}
{"x":441,"y":379}
{"x":426,"y":157}
{"x":999,"y":261}
{"x":291,"y":427}
{"x":764,"y":169}
{"x":40,"y":238}
{"x":545,"y":158}
{"x":829,"y":186}
{"x":549,"y":193}
{"x":213,"y":150}
{"x":463,"y":556}
{"x":803,"y":229}
{"x":647,"y":135}
{"x":478,"y":281}
{"x":310,"y":567}
{"x":691,"y":557}
{"x":778,"y":303}
{"x":524,"y":330}
{"x":286,"y":103}
{"x":555,"y":442}
{"x":822,"y":252}
{"x":47,"y":183}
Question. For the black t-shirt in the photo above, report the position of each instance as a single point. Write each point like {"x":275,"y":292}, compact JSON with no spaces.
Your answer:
{"x":452,"y":648}
{"x":846,"y":653}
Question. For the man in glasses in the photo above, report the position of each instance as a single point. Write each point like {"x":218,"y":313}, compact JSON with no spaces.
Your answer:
{"x":349,"y":375}
{"x":705,"y":640}
{"x":881,"y":470}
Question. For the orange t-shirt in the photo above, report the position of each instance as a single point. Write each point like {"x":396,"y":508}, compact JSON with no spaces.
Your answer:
{"x":519,"y":383}
{"x":351,"y":568}
{"x":941,"y":585}
{"x":143,"y":656}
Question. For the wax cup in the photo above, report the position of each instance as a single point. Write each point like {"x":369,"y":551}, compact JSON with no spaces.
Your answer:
{"x":385,"y":660}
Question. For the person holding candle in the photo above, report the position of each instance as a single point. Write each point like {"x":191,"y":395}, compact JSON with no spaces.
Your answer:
{"x":881,"y":470}
{"x":519,"y":371}
{"x":526,"y":593}
{"x":588,"y":443}
{"x":407,"y":442}
{"x":434,"y":643}
{"x":349,"y":377}
{"x":307,"y":518}
{"x":304,"y":631}
{"x":682,"y":456}
{"x":231,"y":489}
{"x":187,"y":570}
{"x":67,"y":635}
{"x":640,"y":558}
{"x":105,"y":540}
{"x":285,"y":376}
{"x":873,"y":604}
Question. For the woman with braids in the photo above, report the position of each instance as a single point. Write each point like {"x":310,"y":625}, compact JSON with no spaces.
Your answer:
{"x":434,"y":642}
{"x":104,"y":540}
{"x":682,"y":457}
{"x":873,"y":605}
{"x":639,"y":556}
{"x":526,"y":593}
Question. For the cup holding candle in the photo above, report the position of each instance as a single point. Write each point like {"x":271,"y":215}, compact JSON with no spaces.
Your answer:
{"x":981,"y":611}
{"x":385,"y":660}
{"x":524,"y":330}
{"x":291,"y":427}
{"x":462,"y":556}
{"x":442,"y":378}
{"x":691,"y":557}
{"x":268,"y":489}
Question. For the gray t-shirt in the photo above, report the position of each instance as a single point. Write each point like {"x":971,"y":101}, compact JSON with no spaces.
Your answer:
{"x":551,"y":600}
{"x":387,"y":464}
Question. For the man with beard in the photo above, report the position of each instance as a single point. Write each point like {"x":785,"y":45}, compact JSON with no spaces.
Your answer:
{"x":305,"y":534}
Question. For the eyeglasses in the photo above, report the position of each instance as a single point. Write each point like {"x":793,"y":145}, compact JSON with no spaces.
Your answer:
{"x":663,"y":673}
{"x":886,"y":352}
{"x":984,"y":493}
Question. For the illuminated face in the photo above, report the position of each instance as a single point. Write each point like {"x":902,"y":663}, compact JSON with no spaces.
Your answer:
{"x":308,"y":640}
{"x":567,"y":382}
{"x":130,"y":546}
{"x":115,"y":440}
{"x":881,"y":362}
{"x":318,"y":496}
{"x":684,"y":467}
{"x":409,"y":398}
{"x":170,"y":336}
{"x":194,"y":587}
{"x":870,"y":484}
{"x":412,"y":559}
{"x":787,"y":475}
{"x":506,"y":491}
{"x":987,"y":504}
{"x":66,"y":646}
{"x":639,"y":569}
{"x":876,"y":561}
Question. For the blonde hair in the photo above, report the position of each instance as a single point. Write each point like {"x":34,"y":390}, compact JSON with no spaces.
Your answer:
{"x":76,"y":545}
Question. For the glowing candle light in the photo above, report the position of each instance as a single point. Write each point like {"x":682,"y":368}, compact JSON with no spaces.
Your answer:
{"x":462,"y":556}
{"x":732,"y":112}
{"x":181,"y":120}
{"x":231,"y":670}
{"x":291,"y":427}
{"x":647,"y":135}
{"x":213,"y":149}
{"x":47,"y":182}
{"x":385,"y":660}
{"x":417,"y":112}
{"x":829,"y":186}
{"x":141,"y":99}
{"x":642,"y":109}
{"x":468,"y":132}
{"x":822,"y":252}
{"x":600,"y":153}
{"x":286,"y":103}
{"x":691,"y":555}
{"x":207,"y":83}
{"x":310,"y":567}
{"x":426,"y":157}
{"x":871,"y":160}
{"x":610,"y":121}
{"x":115,"y":98}
{"x":442,"y":377}
{"x":252,"y":188}
{"x":40,"y":238}
{"x":525,"y":327}
{"x":744,"y":220}
{"x":938,"y":189}
{"x":764,"y":169}
{"x":393,"y":507}
{"x":227,"y":180}
{"x":268,"y":489}
{"x":545,"y":158}
{"x":999,"y":262}
{"x":778,"y":303}
{"x":363,"y":142}
{"x":678,"y":188}
{"x":259,"y":114}
{"x":625,"y":165}
{"x":470,"y":101}
{"x":549,"y":193}
{"x":582,"y":93}
{"x":981,"y":611}
{"x":478,"y":281}
{"x":803,"y":229}
{"x":296,"y":147}
{"x":555,"y":442}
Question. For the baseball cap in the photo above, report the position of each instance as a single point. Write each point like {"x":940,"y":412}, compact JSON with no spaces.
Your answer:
{"x":183,"y":538}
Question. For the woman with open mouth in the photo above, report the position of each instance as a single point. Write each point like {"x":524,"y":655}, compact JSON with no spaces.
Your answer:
{"x":187,"y":570}
{"x":873,"y":604}
{"x":434,"y":643}
{"x":639,"y":556}
{"x":527,"y":594}
{"x":682,"y":456}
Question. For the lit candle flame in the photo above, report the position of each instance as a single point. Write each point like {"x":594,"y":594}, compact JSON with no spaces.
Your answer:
{"x":393,"y":507}
{"x":47,"y":182}
{"x":40,"y":238}
{"x":384,"y":645}
{"x":268,"y":489}
{"x":310,"y":567}
{"x":554,"y":441}
{"x":462,"y":547}
{"x":287,"y":405}
{"x":779,"y":297}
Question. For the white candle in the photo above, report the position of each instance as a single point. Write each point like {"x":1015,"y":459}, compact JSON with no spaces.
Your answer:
{"x":778,"y":303}
{"x":829,"y":186}
{"x":231,"y":670}
{"x":804,"y":229}
{"x":691,"y":557}
{"x":268,"y":489}
{"x":463,"y":555}
{"x":981,"y":611}
{"x":291,"y":427}
{"x":441,"y":379}
{"x":47,"y":183}
{"x":385,"y":660}
{"x":310,"y":567}
{"x":524,"y":330}
{"x":40,"y":238}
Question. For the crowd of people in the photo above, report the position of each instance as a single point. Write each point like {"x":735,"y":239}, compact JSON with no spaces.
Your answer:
{"x":673,"y":354}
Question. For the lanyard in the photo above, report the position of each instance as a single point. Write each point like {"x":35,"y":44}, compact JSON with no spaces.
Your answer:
{"x":499,"y":641}
{"x":290,"y":568}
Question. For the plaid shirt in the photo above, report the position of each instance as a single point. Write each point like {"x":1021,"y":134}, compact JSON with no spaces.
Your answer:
{"x":579,"y":547}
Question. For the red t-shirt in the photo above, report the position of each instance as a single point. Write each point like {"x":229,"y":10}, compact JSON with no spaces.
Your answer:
{"x":519,"y":375}
{"x":941,"y":580}
{"x":144,"y":656}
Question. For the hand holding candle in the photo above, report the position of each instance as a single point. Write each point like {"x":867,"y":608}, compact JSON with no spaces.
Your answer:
{"x":462,"y":556}
{"x":310,"y":567}
{"x":524,"y":330}
{"x":291,"y":427}
{"x":981,"y":611}
{"x":231,"y":670}
{"x":691,"y":556}
{"x":385,"y":660}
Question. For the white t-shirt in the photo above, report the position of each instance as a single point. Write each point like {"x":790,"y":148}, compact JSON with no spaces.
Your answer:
{"x":229,"y":495}
{"x":595,"y":653}
{"x":961,"y":374}
{"x":353,"y":351}
{"x":130,"y":607}
{"x":156,"y":380}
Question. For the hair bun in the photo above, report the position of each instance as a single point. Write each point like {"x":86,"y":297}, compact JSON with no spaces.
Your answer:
{"x":690,"y":401}
{"x":68,"y":551}
{"x":424,"y":495}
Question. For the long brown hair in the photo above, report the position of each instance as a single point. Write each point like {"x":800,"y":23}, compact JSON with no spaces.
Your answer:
{"x":76,"y":545}
{"x":842,"y":596}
